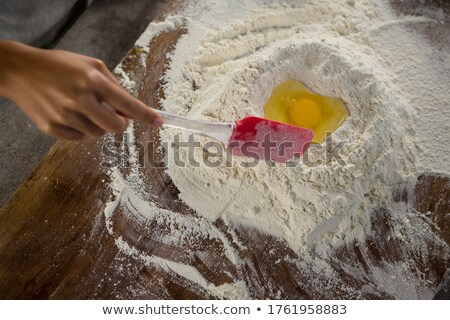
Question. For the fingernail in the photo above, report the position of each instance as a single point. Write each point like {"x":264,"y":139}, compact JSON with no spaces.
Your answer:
{"x":157,"y":122}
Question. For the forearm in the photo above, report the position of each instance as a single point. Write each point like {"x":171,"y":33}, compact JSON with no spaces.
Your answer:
{"x":11,"y":54}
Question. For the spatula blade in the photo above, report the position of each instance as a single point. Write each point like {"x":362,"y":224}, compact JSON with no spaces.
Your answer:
{"x":269,"y":140}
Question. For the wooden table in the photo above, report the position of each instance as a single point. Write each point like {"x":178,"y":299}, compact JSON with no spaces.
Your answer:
{"x":54,"y":242}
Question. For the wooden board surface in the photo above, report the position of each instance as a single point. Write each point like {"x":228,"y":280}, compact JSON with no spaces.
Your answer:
{"x":54,"y":242}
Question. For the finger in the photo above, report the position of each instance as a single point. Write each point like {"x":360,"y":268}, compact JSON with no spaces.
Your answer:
{"x":44,"y":122}
{"x":120,"y":100}
{"x":66,"y":133}
{"x":105,"y":71}
{"x":101,"y":116}
{"x":108,"y":106}
{"x":81,"y":123}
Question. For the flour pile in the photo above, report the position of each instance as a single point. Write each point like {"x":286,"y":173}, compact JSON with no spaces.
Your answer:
{"x":225,"y":67}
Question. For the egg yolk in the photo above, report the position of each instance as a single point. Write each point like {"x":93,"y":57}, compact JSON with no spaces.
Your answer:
{"x":293,"y":103}
{"x":305,"y":113}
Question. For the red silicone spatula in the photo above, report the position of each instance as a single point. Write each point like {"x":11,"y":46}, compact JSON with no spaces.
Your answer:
{"x":252,"y":136}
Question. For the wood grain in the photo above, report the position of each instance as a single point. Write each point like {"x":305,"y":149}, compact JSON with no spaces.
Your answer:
{"x":54,"y":242}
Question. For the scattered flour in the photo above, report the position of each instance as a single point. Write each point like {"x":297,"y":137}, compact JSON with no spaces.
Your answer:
{"x":224,"y":68}
{"x":125,"y":80}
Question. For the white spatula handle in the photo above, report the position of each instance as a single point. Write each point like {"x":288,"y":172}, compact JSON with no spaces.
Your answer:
{"x":220,"y":131}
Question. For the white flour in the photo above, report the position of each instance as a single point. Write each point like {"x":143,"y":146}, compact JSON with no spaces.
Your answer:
{"x":234,"y":53}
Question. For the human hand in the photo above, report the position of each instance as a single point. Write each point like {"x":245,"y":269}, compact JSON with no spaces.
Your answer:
{"x":67,"y":95}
